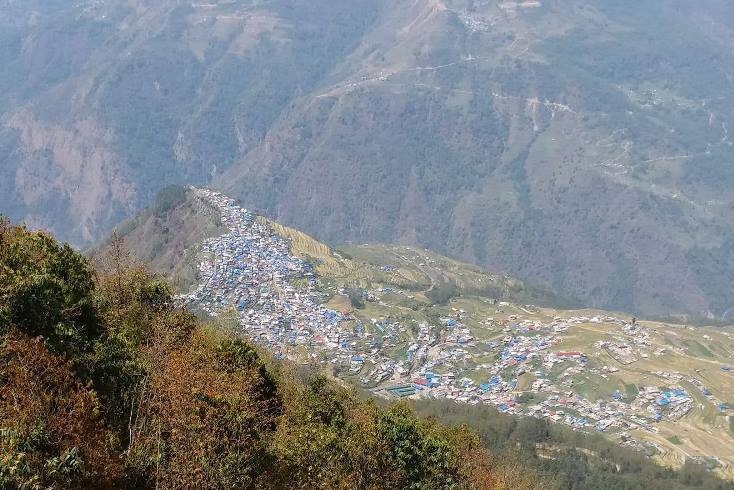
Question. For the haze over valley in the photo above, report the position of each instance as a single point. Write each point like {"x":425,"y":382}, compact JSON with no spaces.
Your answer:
{"x":581,"y":145}
{"x":367,"y":244}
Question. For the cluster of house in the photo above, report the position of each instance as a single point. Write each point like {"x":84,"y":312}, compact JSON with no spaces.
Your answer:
{"x":527,"y":347}
{"x":672,"y":402}
{"x":250,"y":270}
{"x":706,"y":392}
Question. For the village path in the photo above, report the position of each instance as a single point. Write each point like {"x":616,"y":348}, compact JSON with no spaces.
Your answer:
{"x":431,"y":277}
{"x":424,"y":269}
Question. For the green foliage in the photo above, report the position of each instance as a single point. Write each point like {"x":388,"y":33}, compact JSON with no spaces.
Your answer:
{"x":423,"y":458}
{"x":442,"y":292}
{"x":525,"y":397}
{"x":580,"y":461}
{"x":356,"y":298}
{"x":16,"y":472}
{"x":351,"y":443}
{"x":237,"y":354}
{"x":32,"y":440}
{"x":65,"y":466}
{"x":46,"y":290}
{"x":168,"y":198}
{"x":697,"y":349}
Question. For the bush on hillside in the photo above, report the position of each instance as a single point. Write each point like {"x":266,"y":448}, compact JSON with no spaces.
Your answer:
{"x":442,"y":292}
{"x":168,"y":198}
{"x":46,"y":291}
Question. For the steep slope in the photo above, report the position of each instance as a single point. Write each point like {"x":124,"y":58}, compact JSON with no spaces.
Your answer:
{"x":580,"y":144}
{"x":168,"y":235}
{"x":106,"y":102}
{"x":522,"y":139}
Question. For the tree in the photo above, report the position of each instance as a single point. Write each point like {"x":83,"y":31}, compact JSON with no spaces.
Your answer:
{"x":46,"y":290}
{"x":50,"y":430}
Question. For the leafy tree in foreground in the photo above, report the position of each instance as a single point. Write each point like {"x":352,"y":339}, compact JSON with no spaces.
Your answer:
{"x":46,"y":290}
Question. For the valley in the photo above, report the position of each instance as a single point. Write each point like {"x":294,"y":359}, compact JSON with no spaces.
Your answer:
{"x":366,"y":244}
{"x":579,"y":144}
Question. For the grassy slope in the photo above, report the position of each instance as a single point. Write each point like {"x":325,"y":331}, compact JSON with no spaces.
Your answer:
{"x":415,"y":269}
{"x":168,"y":239}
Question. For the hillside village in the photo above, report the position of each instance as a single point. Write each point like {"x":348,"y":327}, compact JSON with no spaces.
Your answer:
{"x":517,"y":362}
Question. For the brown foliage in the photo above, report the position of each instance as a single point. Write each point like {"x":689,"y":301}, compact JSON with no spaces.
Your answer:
{"x":46,"y":411}
{"x":204,"y":418}
{"x":175,"y":404}
{"x":481,"y":470}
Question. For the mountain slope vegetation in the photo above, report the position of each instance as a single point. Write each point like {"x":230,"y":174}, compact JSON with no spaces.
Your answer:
{"x":583,"y":145}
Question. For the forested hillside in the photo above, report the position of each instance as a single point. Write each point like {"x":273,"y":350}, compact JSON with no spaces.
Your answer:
{"x":580,"y":144}
{"x":562,"y":458}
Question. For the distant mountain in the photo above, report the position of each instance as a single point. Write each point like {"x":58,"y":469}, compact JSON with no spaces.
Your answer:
{"x":583,"y":145}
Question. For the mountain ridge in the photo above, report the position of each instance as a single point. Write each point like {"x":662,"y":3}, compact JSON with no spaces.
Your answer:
{"x":168,"y":236}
